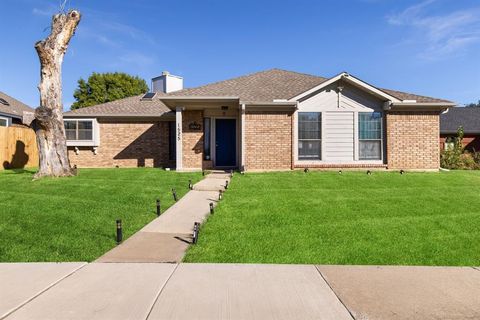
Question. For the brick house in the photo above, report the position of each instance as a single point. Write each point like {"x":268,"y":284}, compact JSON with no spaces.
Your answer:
{"x":469,"y":119}
{"x":270,"y":120}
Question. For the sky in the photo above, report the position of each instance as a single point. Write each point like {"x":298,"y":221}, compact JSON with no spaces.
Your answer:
{"x":429,"y":47}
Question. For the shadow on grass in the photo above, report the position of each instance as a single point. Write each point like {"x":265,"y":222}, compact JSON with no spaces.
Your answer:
{"x":20,"y":171}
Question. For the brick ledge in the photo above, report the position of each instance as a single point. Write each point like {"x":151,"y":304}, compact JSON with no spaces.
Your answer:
{"x":341,"y":166}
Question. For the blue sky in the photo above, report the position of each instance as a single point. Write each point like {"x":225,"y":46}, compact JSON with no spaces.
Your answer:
{"x":428,"y":47}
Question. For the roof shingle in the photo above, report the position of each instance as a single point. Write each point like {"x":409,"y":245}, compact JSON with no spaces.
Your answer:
{"x":468,"y":118}
{"x":263,"y":86}
{"x":13,"y":107}
{"x":131,"y":106}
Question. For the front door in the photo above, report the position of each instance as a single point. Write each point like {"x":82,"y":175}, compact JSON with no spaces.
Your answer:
{"x":225,"y":142}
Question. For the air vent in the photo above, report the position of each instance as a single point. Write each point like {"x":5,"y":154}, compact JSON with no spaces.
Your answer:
{"x":4,"y":102}
{"x":149,"y":96}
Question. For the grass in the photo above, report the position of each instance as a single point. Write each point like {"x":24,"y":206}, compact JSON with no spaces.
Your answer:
{"x":353,"y":218}
{"x":73,"y":219}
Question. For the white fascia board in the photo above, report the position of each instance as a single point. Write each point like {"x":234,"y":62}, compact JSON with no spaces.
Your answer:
{"x":119,"y":115}
{"x":423,"y":104}
{"x":368,"y":87}
{"x":259,"y":103}
{"x":316,"y":88}
{"x":349,"y":78}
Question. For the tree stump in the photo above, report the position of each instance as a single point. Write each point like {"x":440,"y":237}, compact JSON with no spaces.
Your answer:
{"x":49,"y":127}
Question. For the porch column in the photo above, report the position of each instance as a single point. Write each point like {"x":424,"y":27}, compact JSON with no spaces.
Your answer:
{"x":242,"y":137}
{"x":179,"y":138}
{"x":294,"y":138}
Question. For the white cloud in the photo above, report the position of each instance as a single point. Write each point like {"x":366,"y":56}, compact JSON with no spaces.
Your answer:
{"x":440,"y":35}
{"x":126,"y":30}
{"x":47,"y":11}
{"x":138,"y":59}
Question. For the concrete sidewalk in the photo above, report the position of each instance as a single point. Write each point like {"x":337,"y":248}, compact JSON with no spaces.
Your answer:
{"x":166,"y":238}
{"x":236,"y":291}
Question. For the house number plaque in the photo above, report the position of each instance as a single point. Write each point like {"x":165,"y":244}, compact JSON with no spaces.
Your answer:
{"x":195,"y":126}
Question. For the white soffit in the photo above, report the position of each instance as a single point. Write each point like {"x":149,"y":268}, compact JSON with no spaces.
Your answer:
{"x":351,"y":79}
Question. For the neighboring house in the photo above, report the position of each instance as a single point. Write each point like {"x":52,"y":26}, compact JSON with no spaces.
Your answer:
{"x":469,"y":119}
{"x":12,"y":111}
{"x":270,"y":120}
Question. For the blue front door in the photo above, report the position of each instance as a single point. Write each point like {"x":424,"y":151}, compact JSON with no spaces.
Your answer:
{"x":225,"y":142}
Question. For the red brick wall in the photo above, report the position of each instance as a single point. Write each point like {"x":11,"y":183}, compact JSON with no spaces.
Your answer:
{"x":412,"y":140}
{"x":127,"y":144}
{"x":268,"y":140}
{"x":470,"y":142}
{"x":192,"y":140}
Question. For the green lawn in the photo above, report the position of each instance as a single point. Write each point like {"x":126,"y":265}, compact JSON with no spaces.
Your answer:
{"x":73,"y":219}
{"x":353,"y":218}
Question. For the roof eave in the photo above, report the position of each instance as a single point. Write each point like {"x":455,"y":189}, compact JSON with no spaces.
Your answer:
{"x":173,"y":101}
{"x":455,"y":132}
{"x":418,"y":106}
{"x":10,"y":115}
{"x":270,"y":103}
{"x":119,"y":115}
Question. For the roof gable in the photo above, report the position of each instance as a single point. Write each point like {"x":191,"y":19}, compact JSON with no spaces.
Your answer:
{"x":349,"y":79}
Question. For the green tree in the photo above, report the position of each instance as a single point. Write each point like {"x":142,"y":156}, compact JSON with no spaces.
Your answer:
{"x":105,"y":87}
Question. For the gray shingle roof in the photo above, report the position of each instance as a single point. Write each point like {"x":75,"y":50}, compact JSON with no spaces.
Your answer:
{"x":263,"y":86}
{"x":13,"y":106}
{"x":468,"y":118}
{"x":411,"y":96}
{"x":132,"y":106}
{"x":272,"y":84}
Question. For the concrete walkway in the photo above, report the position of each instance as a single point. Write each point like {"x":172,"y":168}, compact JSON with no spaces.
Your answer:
{"x":236,"y":291}
{"x":166,"y":238}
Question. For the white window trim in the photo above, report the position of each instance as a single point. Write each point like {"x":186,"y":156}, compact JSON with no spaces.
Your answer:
{"x":356,"y":161}
{"x":95,"y":142}
{"x":357,"y":139}
{"x":321,"y":135}
{"x":7,"y":120}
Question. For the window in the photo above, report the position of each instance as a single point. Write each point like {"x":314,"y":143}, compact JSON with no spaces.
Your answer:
{"x":3,"y":122}
{"x":370,"y":135}
{"x":172,"y":141}
{"x":309,"y":135}
{"x":79,"y":130}
{"x":206,"y":138}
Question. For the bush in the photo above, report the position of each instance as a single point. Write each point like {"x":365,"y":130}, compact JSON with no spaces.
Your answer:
{"x":456,"y":157}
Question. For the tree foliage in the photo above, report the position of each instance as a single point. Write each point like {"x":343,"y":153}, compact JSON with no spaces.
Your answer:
{"x":105,"y":87}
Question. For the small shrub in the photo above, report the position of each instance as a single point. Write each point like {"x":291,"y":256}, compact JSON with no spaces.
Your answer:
{"x":456,"y":157}
{"x":451,"y":158}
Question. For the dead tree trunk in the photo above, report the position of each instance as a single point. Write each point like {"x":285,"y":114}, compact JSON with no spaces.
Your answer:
{"x":49,"y":128}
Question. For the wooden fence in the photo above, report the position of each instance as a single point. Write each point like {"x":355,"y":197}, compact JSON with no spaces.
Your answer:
{"x":18,"y":148}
